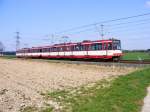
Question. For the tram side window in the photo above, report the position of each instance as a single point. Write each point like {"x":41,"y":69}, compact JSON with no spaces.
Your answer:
{"x":45,"y":50}
{"x":49,"y":49}
{"x":109,"y":46}
{"x":35,"y":51}
{"x":81,"y":47}
{"x":105,"y":46}
{"x":58,"y":49}
{"x":38,"y":50}
{"x":100,"y":46}
{"x":97,"y":46}
{"x":72,"y":48}
{"x":77,"y":48}
{"x":93,"y":47}
{"x":61,"y":49}
{"x":31,"y":51}
{"x":67,"y":48}
{"x":54,"y":49}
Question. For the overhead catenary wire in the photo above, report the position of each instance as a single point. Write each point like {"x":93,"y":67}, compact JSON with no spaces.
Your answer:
{"x":108,"y":23}
{"x":102,"y":22}
{"x":126,"y":23}
{"x":129,"y":27}
{"x":120,"y":28}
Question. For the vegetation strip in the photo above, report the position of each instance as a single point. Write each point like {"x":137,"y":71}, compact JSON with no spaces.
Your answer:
{"x":136,"y":56}
{"x":123,"y":94}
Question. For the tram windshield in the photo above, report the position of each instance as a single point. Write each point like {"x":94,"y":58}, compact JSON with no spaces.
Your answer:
{"x":116,"y":45}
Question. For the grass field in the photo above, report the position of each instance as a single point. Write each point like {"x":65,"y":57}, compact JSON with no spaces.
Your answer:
{"x":124,"y":94}
{"x":136,"y":56}
{"x":9,"y":56}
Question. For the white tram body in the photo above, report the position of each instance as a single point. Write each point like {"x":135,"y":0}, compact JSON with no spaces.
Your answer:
{"x":100,"y":49}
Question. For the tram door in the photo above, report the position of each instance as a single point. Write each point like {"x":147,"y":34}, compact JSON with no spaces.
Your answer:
{"x":86,"y":49}
{"x":105,"y":48}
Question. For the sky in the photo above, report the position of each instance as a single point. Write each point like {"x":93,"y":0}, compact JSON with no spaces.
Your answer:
{"x":37,"y":20}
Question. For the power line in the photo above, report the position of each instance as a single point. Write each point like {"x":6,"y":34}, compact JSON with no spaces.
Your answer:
{"x":131,"y":27}
{"x":131,"y":33}
{"x":102,"y":22}
{"x":135,"y":25}
{"x":126,"y":23}
{"x":101,"y":32}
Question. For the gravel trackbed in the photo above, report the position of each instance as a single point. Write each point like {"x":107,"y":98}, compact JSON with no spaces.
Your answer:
{"x":22,"y":81}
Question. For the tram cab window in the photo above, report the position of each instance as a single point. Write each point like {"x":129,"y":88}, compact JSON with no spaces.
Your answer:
{"x":116,"y":45}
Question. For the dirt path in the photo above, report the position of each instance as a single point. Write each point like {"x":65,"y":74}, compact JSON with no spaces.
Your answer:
{"x":22,"y":81}
{"x":146,"y":107}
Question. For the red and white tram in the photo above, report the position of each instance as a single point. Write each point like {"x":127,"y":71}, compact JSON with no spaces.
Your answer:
{"x":100,"y":49}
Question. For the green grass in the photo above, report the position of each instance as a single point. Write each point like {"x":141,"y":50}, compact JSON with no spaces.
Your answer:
{"x":9,"y":56}
{"x":35,"y":109}
{"x":136,"y":56}
{"x":123,"y":94}
{"x":29,"y":109}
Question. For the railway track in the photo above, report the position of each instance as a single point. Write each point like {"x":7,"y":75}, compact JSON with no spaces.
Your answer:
{"x":121,"y":63}
{"x":135,"y":61}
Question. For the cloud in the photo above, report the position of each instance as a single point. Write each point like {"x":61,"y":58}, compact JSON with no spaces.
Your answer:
{"x":148,"y":4}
